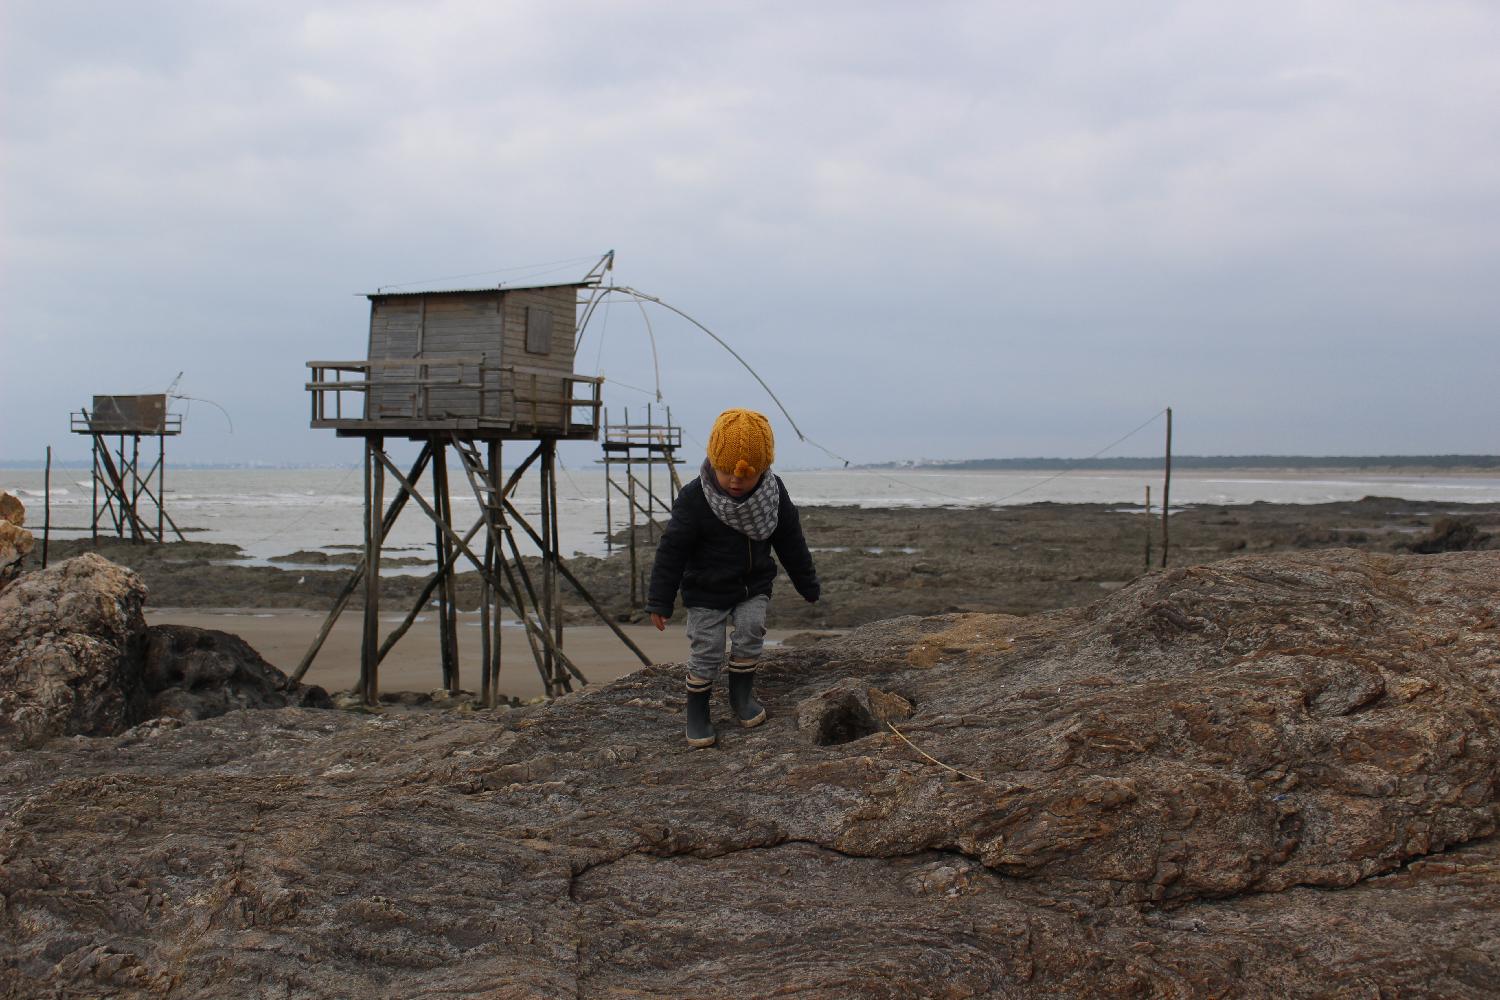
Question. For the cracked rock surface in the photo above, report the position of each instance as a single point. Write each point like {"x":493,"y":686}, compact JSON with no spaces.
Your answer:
{"x":1270,"y":776}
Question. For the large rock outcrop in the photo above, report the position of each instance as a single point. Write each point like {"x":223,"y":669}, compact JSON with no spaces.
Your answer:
{"x":1272,"y":776}
{"x":70,"y":644}
{"x":76,"y":657}
{"x":16,"y":542}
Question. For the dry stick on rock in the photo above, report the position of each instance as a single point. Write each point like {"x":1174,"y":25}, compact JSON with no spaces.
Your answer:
{"x":930,"y":757}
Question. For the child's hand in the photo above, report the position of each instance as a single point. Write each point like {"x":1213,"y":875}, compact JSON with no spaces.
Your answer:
{"x":659,"y":622}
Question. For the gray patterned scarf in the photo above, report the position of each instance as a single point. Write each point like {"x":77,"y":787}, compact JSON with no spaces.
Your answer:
{"x":755,"y":515}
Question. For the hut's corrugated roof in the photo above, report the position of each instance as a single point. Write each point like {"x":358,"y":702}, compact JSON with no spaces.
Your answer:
{"x":492,"y":289}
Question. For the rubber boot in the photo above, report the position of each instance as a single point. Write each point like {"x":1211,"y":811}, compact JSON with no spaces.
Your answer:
{"x":742,"y":701}
{"x":700,"y":731}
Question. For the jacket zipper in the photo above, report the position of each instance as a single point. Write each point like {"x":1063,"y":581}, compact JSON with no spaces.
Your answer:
{"x":749,"y":564}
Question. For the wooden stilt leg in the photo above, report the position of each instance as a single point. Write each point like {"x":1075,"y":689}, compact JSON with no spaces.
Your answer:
{"x":493,"y":519}
{"x":444,"y":557}
{"x":374,"y":504}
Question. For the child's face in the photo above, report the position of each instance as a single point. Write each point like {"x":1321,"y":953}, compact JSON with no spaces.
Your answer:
{"x":735,"y":486}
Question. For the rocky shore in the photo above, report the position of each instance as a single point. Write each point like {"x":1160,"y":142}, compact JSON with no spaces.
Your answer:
{"x":1274,"y":776}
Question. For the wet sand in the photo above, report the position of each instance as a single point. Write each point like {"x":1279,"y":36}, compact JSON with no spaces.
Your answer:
{"x":282,"y":636}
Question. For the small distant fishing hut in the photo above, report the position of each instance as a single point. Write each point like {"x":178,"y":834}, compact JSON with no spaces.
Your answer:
{"x":124,"y":499}
{"x":464,"y":371}
{"x":632,"y":454}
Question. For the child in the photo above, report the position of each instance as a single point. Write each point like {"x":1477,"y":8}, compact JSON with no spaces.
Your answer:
{"x":717,"y":548}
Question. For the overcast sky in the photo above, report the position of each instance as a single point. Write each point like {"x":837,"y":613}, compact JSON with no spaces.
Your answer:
{"x":936,"y":229}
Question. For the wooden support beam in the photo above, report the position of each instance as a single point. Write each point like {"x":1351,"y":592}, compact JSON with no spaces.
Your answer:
{"x":549,"y":610}
{"x":161,"y":511}
{"x":1166,"y":493}
{"x":114,"y":487}
{"x":369,"y":663}
{"x":47,"y":507}
{"x":567,"y":574}
{"x":444,"y":550}
{"x":521,"y":608}
{"x":411,"y":616}
{"x":493,"y":471}
{"x":450,"y":586}
{"x":342,"y":600}
{"x":474,"y":560}
{"x":481,"y":480}
{"x":427,"y":591}
{"x":630,"y":495}
{"x":95,"y":526}
{"x":161,"y":492}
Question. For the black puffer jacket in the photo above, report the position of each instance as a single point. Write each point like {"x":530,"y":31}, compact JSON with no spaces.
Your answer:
{"x":717,"y":566}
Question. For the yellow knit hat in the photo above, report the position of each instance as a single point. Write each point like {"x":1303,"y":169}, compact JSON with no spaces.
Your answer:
{"x":741,"y":444}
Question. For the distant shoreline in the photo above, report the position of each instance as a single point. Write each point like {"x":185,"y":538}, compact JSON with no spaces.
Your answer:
{"x":1216,"y":463}
{"x":1446,"y":464}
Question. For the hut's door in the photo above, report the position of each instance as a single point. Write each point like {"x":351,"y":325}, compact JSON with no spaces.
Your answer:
{"x":395,"y":335}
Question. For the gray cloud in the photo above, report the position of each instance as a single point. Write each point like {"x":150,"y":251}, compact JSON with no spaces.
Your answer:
{"x":953,"y":229}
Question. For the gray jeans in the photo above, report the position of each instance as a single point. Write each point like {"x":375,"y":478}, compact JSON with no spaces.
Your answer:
{"x":706,"y":635}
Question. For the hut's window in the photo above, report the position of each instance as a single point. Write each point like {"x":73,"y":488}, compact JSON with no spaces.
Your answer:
{"x":538,"y":330}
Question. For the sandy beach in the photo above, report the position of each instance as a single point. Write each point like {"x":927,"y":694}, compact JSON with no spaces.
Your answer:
{"x":283,"y":635}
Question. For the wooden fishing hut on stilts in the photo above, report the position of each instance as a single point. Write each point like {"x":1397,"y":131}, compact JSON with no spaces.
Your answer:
{"x":123,"y":495}
{"x":632,"y":452}
{"x":466,"y":371}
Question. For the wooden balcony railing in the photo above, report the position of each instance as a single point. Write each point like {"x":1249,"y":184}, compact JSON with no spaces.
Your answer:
{"x":461,"y":392}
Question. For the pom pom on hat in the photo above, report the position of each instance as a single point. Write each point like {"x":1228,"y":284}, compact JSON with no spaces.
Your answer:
{"x":741,"y":444}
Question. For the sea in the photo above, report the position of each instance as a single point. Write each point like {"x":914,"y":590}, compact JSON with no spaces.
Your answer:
{"x":269,"y":512}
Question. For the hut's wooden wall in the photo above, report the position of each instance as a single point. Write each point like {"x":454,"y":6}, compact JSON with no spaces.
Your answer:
{"x":562,"y":303}
{"x":489,"y":324}
{"x":130,"y":414}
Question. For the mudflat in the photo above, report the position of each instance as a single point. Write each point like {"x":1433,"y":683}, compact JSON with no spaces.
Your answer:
{"x":875,"y":563}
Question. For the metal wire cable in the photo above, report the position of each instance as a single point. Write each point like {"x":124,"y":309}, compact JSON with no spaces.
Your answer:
{"x":640,"y":297}
{"x":1149,"y":420}
{"x":282,"y":529}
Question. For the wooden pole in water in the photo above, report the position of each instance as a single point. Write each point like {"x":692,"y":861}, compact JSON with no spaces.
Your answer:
{"x":634,"y":598}
{"x":1148,"y":528}
{"x":94,"y":527}
{"x":1166,"y":491}
{"x":650,"y":477}
{"x":47,"y":507}
{"x":630,"y":503}
{"x":161,"y":489}
{"x":134,"y":487}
